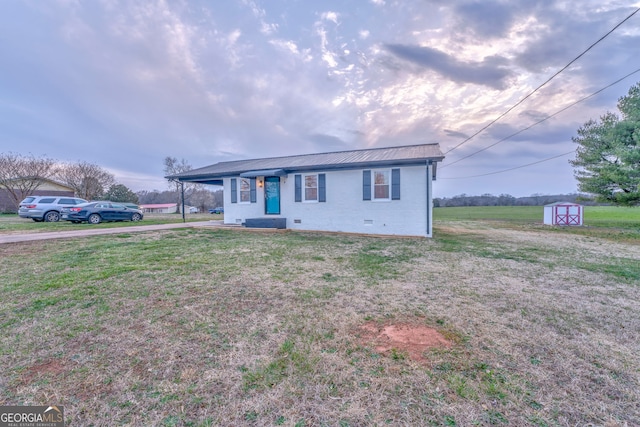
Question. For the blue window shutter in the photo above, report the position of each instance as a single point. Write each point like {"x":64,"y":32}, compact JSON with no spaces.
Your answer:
{"x":366,"y":185}
{"x":252,"y":188}
{"x":322,"y":188}
{"x":298,"y":185}
{"x":395,"y":184}
{"x":234,"y":191}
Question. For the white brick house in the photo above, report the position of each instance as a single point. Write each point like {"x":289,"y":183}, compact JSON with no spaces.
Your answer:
{"x":375,"y":191}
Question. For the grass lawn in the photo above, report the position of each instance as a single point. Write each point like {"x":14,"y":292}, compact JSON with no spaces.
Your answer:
{"x":611,"y":222}
{"x":208,"y":327}
{"x":598,"y":216}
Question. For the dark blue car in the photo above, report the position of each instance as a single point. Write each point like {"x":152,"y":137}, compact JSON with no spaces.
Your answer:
{"x":97,"y":212}
{"x":216,"y":211}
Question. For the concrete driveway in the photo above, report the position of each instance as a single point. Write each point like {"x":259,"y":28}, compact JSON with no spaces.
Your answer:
{"x":28,"y":237}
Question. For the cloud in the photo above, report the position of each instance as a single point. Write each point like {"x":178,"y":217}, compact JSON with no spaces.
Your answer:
{"x":326,"y":143}
{"x":286,"y":45}
{"x":534,"y":115}
{"x":490,"y":72}
{"x":455,"y":134}
{"x":557,"y":36}
{"x":330,"y":16}
{"x":485,"y":18}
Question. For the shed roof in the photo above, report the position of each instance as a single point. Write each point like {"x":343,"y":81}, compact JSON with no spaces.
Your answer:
{"x":353,"y":159}
{"x":563,"y":204}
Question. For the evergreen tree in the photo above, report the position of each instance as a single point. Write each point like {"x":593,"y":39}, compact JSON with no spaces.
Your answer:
{"x":121,"y":193}
{"x":607,"y":162}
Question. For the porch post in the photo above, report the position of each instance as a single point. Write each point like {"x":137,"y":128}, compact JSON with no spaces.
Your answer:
{"x":182,"y":198}
{"x":429,"y":199}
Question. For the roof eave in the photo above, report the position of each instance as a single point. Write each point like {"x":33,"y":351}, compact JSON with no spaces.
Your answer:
{"x":186,"y":177}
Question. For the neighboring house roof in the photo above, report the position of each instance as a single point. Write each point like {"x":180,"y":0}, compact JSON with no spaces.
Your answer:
{"x":46,"y":184}
{"x":159,"y":206}
{"x":277,"y":166}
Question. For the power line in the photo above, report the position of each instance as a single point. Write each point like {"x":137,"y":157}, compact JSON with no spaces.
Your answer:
{"x":543,"y":120}
{"x":517,"y":167}
{"x":543,"y":84}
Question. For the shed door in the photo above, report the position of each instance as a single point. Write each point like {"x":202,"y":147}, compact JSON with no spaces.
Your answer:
{"x":272,"y":195}
{"x":568,"y":215}
{"x":573,"y":215}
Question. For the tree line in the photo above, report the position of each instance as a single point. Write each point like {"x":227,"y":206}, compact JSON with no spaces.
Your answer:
{"x":509,"y":200}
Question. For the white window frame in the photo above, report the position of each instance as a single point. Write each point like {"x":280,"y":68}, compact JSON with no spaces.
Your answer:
{"x":304,"y":188}
{"x":387,"y":173}
{"x":247,"y":191}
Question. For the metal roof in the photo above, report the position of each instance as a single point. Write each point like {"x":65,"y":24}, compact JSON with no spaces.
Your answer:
{"x":354,"y":159}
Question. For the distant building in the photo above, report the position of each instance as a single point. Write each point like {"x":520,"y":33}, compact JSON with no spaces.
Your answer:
{"x":160,"y":208}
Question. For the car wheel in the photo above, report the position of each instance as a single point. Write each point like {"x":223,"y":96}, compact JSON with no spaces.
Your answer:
{"x":94,"y":219}
{"x":136,"y":217}
{"x":52,"y":216}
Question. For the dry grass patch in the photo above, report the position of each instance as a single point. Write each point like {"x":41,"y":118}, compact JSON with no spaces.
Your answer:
{"x":215,"y":327}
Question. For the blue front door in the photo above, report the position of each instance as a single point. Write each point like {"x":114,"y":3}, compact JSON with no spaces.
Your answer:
{"x":272,"y":195}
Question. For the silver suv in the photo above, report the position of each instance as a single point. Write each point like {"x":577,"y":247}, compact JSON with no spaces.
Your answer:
{"x":46,"y":208}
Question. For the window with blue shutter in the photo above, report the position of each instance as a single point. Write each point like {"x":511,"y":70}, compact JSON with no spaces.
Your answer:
{"x":234,"y":191}
{"x":298,"y":188}
{"x":244,"y":185}
{"x":310,"y":188}
{"x":322,"y":188}
{"x":252,"y":190}
{"x":381,"y":187}
{"x":366,"y":185}
{"x":395,"y":184}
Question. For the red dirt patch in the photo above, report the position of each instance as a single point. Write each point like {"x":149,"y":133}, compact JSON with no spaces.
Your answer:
{"x":405,"y":338}
{"x":51,"y":368}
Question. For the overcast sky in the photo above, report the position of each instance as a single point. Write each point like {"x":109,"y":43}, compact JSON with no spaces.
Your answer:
{"x":124,"y":84}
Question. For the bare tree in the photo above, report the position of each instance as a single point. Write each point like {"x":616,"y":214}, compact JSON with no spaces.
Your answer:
{"x":173,"y":167}
{"x":22,"y":175}
{"x":218,"y":198}
{"x":89,"y":181}
{"x":201,"y":198}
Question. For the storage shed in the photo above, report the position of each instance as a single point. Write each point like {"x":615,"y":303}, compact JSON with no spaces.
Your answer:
{"x":563,"y":213}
